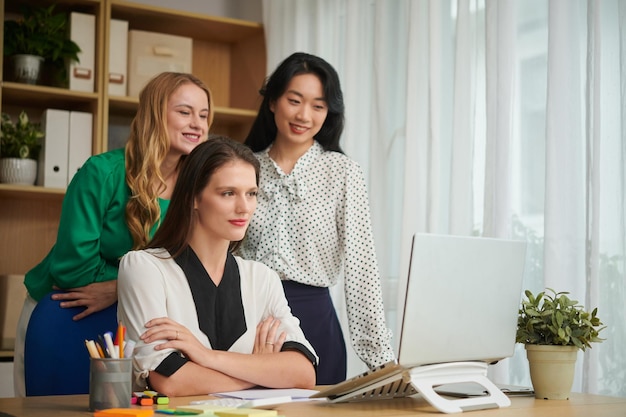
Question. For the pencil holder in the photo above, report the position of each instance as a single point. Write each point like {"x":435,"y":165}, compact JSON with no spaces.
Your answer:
{"x":110,"y":383}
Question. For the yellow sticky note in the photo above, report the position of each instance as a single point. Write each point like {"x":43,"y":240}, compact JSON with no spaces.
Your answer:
{"x":203,"y":408}
{"x":252,"y":412}
{"x":124,"y":412}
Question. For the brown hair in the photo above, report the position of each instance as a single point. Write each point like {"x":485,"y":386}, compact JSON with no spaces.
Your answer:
{"x":193,"y":178}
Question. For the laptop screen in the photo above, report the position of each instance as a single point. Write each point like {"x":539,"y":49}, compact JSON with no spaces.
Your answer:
{"x":462,"y":299}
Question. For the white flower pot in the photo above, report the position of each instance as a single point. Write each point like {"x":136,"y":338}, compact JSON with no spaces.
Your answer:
{"x":26,"y":68}
{"x":18,"y":171}
{"x":552,"y":370}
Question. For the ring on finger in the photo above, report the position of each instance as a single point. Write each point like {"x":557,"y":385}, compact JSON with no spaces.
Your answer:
{"x":269,"y":343}
{"x":176,"y":338}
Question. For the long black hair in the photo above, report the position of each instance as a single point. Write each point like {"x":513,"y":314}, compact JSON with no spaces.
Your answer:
{"x":198,"y":168}
{"x":264,"y":130}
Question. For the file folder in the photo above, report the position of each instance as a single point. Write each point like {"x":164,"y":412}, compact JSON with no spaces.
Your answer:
{"x":52,"y":167}
{"x":80,"y":140}
{"x":118,"y":57}
{"x":83,"y":32}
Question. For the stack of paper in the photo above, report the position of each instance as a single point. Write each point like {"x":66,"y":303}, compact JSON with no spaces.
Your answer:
{"x":206,"y":410}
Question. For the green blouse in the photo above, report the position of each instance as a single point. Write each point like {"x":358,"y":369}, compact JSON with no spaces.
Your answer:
{"x":93,"y":234}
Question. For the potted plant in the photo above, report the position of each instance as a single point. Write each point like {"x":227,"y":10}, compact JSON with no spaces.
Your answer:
{"x":20,"y":144}
{"x":40,"y":36}
{"x":554,"y":328}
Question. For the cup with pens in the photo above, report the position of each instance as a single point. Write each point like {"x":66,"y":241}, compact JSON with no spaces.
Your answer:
{"x":110,"y":372}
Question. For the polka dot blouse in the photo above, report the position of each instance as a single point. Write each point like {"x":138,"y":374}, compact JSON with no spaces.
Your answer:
{"x":314,"y":224}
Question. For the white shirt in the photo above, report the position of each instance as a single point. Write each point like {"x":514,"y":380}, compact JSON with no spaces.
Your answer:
{"x":313,"y":224}
{"x":151,"y":284}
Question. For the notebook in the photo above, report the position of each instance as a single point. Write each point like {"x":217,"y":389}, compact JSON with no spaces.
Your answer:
{"x":461,"y":304}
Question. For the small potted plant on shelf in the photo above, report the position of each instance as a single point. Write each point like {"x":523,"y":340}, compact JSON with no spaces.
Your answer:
{"x":40,"y":36}
{"x":20,"y":144}
{"x":554,"y":328}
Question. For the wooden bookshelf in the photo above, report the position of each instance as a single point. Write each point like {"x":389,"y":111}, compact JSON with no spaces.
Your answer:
{"x":228,"y":54}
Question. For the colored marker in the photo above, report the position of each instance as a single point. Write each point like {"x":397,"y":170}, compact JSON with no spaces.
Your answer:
{"x":91,"y":348}
{"x":119,"y":339}
{"x":108,"y":340}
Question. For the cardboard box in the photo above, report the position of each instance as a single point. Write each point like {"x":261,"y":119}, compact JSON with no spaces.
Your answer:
{"x":12,"y":296}
{"x":151,"y":53}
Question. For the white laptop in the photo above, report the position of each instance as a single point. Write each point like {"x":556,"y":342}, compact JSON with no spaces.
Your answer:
{"x":461,"y":305}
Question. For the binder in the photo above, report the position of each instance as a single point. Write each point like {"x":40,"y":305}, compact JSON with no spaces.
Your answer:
{"x":52,"y":167}
{"x":80,"y":140}
{"x":151,"y":53}
{"x":118,"y":57}
{"x":83,"y":32}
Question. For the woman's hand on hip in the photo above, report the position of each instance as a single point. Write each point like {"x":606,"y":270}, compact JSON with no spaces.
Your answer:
{"x":94,"y":297}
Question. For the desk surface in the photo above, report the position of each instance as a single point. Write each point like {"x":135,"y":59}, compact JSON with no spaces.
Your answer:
{"x":579,"y":405}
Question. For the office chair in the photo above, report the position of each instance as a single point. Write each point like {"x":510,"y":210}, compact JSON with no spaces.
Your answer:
{"x":56,"y":361}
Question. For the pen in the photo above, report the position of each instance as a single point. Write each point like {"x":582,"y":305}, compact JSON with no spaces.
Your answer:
{"x":177,"y":412}
{"x":102,"y":347}
{"x":100,"y":350}
{"x":108,"y":340}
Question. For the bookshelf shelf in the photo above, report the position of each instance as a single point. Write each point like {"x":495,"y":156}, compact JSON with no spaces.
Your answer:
{"x":228,"y":55}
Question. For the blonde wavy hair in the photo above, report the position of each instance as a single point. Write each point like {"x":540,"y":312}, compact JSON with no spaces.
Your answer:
{"x":147,"y":146}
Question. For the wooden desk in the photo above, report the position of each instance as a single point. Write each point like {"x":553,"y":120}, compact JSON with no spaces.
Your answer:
{"x":580,"y":405}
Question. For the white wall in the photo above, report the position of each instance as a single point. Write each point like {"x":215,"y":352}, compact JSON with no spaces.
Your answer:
{"x":237,"y":9}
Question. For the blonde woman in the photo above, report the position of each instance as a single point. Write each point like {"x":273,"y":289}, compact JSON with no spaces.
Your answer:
{"x":116,"y":202}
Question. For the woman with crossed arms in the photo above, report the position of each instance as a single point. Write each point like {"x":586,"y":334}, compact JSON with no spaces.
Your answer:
{"x":207,"y":321}
{"x":114,"y":204}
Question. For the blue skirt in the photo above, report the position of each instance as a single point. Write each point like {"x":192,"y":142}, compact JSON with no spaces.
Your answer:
{"x":318,"y":320}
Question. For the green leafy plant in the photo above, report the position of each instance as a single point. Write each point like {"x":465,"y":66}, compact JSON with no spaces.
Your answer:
{"x":21,"y":139}
{"x":41,"y":32}
{"x":552,"y":318}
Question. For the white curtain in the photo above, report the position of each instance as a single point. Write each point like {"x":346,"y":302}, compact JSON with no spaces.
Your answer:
{"x":491,"y":117}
